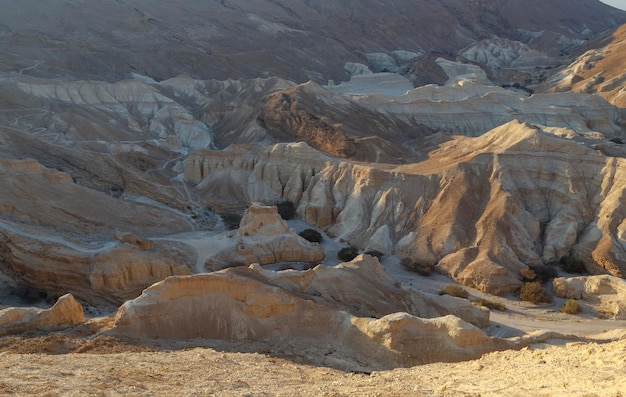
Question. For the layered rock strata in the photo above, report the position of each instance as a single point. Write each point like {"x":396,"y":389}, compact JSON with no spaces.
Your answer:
{"x":482,"y":208}
{"x":241,"y":304}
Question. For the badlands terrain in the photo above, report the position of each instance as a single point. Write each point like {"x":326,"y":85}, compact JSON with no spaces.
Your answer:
{"x":160,"y":161}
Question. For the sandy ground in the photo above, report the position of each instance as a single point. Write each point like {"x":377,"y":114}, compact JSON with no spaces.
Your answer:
{"x":574,"y":369}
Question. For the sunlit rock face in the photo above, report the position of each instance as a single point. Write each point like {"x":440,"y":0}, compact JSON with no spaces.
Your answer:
{"x":598,"y":70}
{"x":482,"y":208}
{"x":65,"y":313}
{"x":248,"y":304}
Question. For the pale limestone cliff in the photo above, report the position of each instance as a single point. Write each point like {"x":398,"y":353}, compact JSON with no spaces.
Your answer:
{"x":263,"y":237}
{"x":65,"y":313}
{"x":239,"y":304}
{"x":608,"y":293}
{"x":483,"y":208}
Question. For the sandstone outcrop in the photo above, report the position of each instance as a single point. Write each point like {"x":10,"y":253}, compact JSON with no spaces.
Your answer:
{"x":363,"y":288}
{"x":263,"y":237}
{"x":483,"y":208}
{"x":238,"y":304}
{"x":106,"y":273}
{"x":65,"y":313}
{"x":608,"y":293}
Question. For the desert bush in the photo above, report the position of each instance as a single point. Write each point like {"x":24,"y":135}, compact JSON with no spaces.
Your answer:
{"x":311,"y":235}
{"x":286,"y":209}
{"x":571,"y":306}
{"x":416,"y":266}
{"x":231,"y":220}
{"x":493,"y":305}
{"x":543,"y":273}
{"x":454,"y":290}
{"x":346,"y":254}
{"x":527,"y":274}
{"x":571,"y":264}
{"x":375,"y":253}
{"x":535,"y":293}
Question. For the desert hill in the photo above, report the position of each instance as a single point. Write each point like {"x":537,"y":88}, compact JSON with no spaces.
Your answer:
{"x":599,"y":70}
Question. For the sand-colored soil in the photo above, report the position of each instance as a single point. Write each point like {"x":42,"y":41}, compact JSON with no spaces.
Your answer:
{"x":574,"y":369}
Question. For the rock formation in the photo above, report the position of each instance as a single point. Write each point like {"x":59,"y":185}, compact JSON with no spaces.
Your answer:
{"x":482,"y":208}
{"x":65,"y":313}
{"x":598,"y":70}
{"x":101,"y":274}
{"x":263,"y":237}
{"x":363,"y":288}
{"x":241,"y":304}
{"x":607,"y":293}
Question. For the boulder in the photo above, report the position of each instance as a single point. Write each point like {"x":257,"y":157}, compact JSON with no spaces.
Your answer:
{"x":65,"y":313}
{"x":263,"y":237}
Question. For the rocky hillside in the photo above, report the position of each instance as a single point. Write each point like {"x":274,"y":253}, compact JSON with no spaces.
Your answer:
{"x":599,"y":70}
{"x":298,"y":40}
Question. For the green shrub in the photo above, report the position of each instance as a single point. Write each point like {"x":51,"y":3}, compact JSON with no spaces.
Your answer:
{"x":571,"y":306}
{"x":231,"y":220}
{"x":493,"y":305}
{"x":311,"y":235}
{"x":534,"y":292}
{"x":375,"y":253}
{"x":286,"y":210}
{"x":419,"y":267}
{"x":454,"y":290}
{"x":571,"y":264}
{"x":346,"y":254}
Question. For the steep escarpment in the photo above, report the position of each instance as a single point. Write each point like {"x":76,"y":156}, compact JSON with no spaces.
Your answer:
{"x":481,"y":208}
